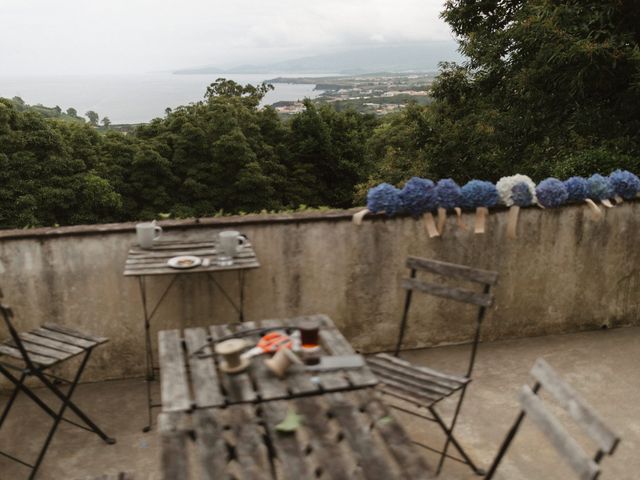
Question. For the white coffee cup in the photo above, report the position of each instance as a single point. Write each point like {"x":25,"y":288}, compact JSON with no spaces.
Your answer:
{"x":231,"y":242}
{"x":147,"y":233}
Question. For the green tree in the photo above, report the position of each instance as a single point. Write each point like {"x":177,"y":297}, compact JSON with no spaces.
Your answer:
{"x":93,"y":117}
{"x":544,"y":80}
{"x":72,"y":112}
{"x":328,"y":154}
{"x":48,"y":172}
{"x":106,"y":122}
{"x":221,"y":152}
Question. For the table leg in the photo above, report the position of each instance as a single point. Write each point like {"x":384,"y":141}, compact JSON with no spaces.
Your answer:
{"x":241,"y":310}
{"x":147,"y":330}
{"x":238,"y":308}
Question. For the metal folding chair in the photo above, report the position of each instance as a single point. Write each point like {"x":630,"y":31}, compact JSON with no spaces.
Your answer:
{"x":424,"y":387}
{"x":585,"y":467}
{"x":30,"y":354}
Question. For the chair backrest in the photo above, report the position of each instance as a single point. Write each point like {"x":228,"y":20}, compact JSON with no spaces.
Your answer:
{"x":7,"y":315}
{"x":586,"y":467}
{"x":451,"y":270}
{"x":483,"y":299}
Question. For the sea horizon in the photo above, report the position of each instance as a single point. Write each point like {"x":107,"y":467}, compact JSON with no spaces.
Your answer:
{"x":140,"y":97}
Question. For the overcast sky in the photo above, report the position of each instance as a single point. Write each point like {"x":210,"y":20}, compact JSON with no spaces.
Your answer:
{"x":137,"y":36}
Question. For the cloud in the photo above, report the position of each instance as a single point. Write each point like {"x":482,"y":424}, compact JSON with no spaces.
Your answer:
{"x":134,"y":36}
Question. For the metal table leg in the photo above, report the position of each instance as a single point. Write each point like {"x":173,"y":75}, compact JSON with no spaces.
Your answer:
{"x":239,"y":308}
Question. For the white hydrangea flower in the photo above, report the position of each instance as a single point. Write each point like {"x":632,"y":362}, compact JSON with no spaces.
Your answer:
{"x":506,"y":184}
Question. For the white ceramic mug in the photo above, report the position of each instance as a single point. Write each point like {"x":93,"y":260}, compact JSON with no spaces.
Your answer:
{"x":147,"y":233}
{"x":231,"y":242}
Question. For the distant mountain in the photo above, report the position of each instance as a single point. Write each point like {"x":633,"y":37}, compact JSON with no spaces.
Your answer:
{"x":416,"y":57}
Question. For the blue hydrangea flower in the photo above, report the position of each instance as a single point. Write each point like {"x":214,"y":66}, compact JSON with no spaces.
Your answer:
{"x":599,"y":187}
{"x":449,"y":193}
{"x":551,"y":193}
{"x":419,"y":196}
{"x":521,"y":194}
{"x":625,"y":184}
{"x":478,"y":193}
{"x":577,"y":188}
{"x":384,"y":198}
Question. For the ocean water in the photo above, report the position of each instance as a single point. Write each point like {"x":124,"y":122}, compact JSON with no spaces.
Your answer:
{"x":136,"y":98}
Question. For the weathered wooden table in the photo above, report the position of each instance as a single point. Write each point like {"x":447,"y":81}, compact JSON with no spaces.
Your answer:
{"x":229,"y":421}
{"x":143,"y":263}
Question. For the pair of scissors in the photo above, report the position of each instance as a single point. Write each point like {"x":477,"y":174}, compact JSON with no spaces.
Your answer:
{"x":270,"y":343}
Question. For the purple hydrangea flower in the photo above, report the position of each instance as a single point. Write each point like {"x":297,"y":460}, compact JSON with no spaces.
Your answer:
{"x":625,"y":184}
{"x":384,"y":198}
{"x":521,"y":194}
{"x":599,"y":187}
{"x":577,"y":189}
{"x":449,"y":193}
{"x":551,"y":193}
{"x":419,"y":196}
{"x":478,"y":193}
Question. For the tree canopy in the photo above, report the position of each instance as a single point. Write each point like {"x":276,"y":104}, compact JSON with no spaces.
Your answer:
{"x":548,"y":87}
{"x":222,"y":154}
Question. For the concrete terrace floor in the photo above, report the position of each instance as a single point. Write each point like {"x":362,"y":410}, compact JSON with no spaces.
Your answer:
{"x":602,"y":365}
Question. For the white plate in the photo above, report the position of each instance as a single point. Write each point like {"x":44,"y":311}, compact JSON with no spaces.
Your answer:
{"x":185,"y":261}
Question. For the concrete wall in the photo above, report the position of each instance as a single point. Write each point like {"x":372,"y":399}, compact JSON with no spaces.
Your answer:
{"x":564,"y":273}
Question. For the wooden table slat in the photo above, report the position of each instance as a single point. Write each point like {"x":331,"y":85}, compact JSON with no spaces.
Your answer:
{"x":154,"y":261}
{"x":211,"y":446}
{"x":366,"y":443}
{"x":291,"y":454}
{"x":173,"y":374}
{"x":204,"y":375}
{"x":174,"y":446}
{"x":247,"y":251}
{"x":164,"y":257}
{"x":333,"y":455}
{"x":173,"y":271}
{"x":394,"y":436}
{"x":251,"y":452}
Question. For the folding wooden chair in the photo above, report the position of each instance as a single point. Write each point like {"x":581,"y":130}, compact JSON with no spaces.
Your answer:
{"x":34,"y":352}
{"x":586,"y":468}
{"x":422,"y":386}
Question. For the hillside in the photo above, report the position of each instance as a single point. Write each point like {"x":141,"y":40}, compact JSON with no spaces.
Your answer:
{"x":421,"y":57}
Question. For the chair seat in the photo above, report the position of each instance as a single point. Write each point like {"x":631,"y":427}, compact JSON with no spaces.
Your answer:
{"x":51,"y":344}
{"x":420,"y":385}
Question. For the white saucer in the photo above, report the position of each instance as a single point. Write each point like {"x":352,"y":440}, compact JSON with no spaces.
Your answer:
{"x":185,"y":261}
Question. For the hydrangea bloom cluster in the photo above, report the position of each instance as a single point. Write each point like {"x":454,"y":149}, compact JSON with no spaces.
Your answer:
{"x":599,"y":187}
{"x":521,"y":195}
{"x":625,"y":184}
{"x":384,"y":198}
{"x":506,"y":186}
{"x":551,"y":193}
{"x":577,"y":189}
{"x":479,"y":193}
{"x":419,"y":196}
{"x":449,"y":194}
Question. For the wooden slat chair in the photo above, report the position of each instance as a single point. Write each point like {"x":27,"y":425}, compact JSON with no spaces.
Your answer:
{"x":422,"y":386}
{"x":585,"y":467}
{"x":30,"y":354}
